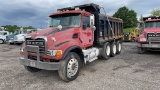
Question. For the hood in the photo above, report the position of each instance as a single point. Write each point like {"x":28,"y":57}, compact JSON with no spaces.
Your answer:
{"x":20,"y":35}
{"x":47,"y":31}
{"x":152,"y":30}
{"x":60,"y":36}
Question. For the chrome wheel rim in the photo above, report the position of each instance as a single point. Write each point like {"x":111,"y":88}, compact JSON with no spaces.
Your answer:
{"x":108,"y":50}
{"x":114,"y":48}
{"x":1,"y":41}
{"x":120,"y":47}
{"x":72,"y":67}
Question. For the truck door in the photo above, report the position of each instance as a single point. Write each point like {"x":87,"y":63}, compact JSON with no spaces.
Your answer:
{"x":86,"y":35}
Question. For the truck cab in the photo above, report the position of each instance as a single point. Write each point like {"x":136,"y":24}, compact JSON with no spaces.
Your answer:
{"x":150,"y":38}
{"x":10,"y":38}
{"x":20,"y":38}
{"x":3,"y":35}
{"x":77,"y":35}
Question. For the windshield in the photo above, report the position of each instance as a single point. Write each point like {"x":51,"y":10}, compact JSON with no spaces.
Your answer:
{"x":152,"y":24}
{"x":16,"y":32}
{"x":3,"y":33}
{"x":70,"y":20}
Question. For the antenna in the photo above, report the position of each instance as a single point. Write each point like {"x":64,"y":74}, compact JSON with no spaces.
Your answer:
{"x":108,"y":21}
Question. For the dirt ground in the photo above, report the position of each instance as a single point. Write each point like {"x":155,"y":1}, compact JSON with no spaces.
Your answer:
{"x":127,"y":71}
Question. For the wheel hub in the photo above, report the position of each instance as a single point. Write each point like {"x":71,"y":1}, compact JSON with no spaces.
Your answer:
{"x":72,"y":67}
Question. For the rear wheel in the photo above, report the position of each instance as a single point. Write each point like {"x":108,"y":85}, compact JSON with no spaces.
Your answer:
{"x":32,"y":69}
{"x":118,"y":47}
{"x":1,"y":41}
{"x":70,"y":67}
{"x":113,"y":49}
{"x":106,"y":51}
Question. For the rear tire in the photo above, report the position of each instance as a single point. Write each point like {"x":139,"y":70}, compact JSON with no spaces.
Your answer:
{"x":31,"y":69}
{"x":113,"y":49}
{"x":118,"y":47}
{"x":1,"y":41}
{"x":69,"y":67}
{"x":106,"y":51}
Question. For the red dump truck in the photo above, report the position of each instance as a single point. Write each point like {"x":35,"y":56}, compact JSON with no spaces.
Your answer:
{"x":77,"y":35}
{"x":150,"y":38}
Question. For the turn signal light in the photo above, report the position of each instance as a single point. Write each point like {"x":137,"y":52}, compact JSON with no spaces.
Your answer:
{"x":59,"y":53}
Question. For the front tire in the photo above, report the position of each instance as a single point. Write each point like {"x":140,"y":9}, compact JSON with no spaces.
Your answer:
{"x":113,"y":49}
{"x":1,"y":41}
{"x":70,"y":67}
{"x":31,"y":69}
{"x":140,"y":50}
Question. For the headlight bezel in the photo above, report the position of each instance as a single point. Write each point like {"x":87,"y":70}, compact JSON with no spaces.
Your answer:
{"x":55,"y":53}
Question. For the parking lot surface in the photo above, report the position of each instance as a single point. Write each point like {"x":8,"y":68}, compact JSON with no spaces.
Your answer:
{"x":126,"y":71}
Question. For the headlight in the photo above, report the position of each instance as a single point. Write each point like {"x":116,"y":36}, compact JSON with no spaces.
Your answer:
{"x":143,"y":39}
{"x":56,"y":53}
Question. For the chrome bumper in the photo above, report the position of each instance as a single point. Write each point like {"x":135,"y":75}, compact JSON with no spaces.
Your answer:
{"x":37,"y":63}
{"x":149,"y":45}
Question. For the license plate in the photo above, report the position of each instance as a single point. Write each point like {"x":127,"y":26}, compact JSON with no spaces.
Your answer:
{"x":33,"y":64}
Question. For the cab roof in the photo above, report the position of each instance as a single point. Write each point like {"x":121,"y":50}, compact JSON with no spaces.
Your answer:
{"x":87,"y":7}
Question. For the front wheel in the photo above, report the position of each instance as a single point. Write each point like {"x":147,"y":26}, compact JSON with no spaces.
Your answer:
{"x":140,"y":50}
{"x":70,"y":67}
{"x":1,"y":41}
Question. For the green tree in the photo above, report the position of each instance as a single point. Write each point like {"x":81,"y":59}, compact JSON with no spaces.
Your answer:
{"x":12,"y":28}
{"x":155,"y":12}
{"x":141,"y":18}
{"x":129,"y":17}
{"x":29,"y":27}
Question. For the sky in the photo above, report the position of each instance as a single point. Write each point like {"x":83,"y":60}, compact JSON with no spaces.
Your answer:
{"x":35,"y":12}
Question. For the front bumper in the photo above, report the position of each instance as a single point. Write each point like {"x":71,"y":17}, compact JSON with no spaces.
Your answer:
{"x":149,"y":45}
{"x":10,"y":41}
{"x":37,"y":63}
{"x":153,"y":42}
{"x":18,"y":41}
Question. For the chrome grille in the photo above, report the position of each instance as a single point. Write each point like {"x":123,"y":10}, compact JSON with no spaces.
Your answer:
{"x":153,"y":35}
{"x":15,"y":38}
{"x":40,"y":42}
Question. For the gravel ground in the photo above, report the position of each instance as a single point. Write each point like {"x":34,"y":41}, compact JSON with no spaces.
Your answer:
{"x":127,"y":71}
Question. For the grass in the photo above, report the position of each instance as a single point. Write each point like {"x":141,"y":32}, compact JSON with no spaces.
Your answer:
{"x":125,"y":30}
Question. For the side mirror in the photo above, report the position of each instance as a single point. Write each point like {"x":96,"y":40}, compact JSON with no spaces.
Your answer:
{"x":93,"y":28}
{"x":84,"y":27}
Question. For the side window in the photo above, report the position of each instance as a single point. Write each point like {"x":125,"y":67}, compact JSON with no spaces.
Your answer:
{"x":86,"y":21}
{"x":5,"y":33}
